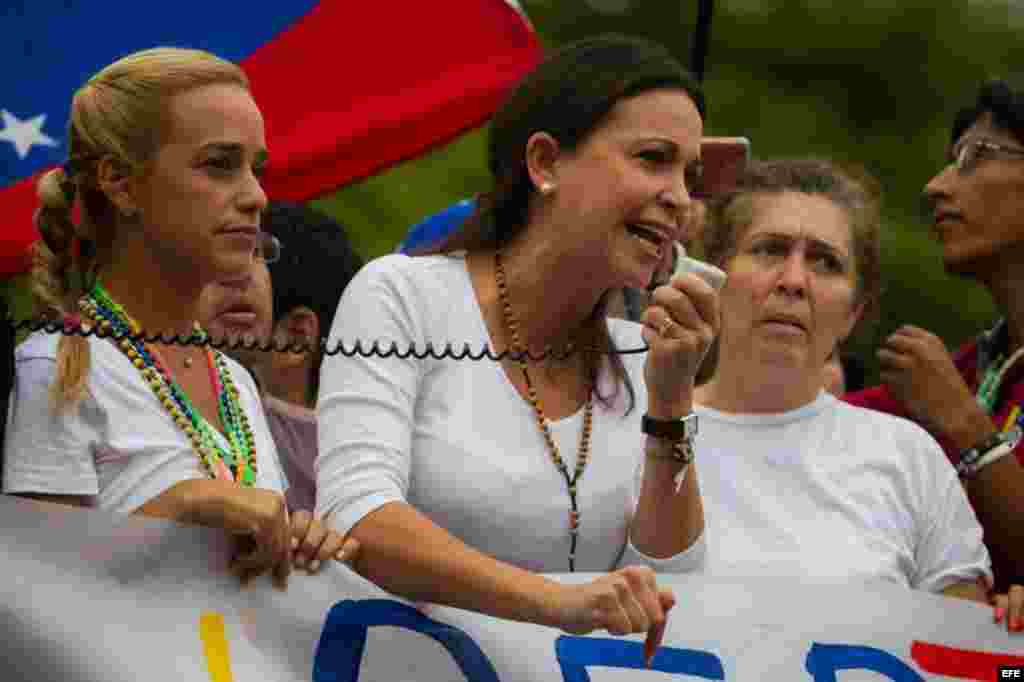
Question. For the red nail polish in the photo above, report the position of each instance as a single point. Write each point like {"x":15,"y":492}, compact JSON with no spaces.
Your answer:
{"x":999,"y":613}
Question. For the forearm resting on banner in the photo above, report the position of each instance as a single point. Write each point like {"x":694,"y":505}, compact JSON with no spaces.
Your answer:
{"x":194,"y":501}
{"x":968,"y":589}
{"x":188,"y":501}
{"x":66,"y":500}
{"x":181,"y":502}
{"x":406,"y":553}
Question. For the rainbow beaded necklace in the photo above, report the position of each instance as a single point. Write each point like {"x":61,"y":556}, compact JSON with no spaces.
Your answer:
{"x":235,"y":463}
{"x":992,"y":379}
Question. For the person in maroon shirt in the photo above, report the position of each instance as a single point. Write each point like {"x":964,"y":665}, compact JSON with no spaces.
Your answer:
{"x":972,"y":400}
{"x":288,"y":299}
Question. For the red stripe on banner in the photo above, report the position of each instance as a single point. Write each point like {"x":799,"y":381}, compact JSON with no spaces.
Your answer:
{"x":964,"y":664}
{"x":355,"y":87}
{"x":18,"y":234}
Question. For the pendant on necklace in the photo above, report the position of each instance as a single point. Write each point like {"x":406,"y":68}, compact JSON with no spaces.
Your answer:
{"x":188,"y":362}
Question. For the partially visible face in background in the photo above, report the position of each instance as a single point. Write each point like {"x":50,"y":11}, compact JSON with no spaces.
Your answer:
{"x":240,"y":311}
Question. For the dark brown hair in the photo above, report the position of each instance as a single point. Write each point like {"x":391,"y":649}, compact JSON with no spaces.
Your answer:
{"x":317,"y":263}
{"x":1003,"y":98}
{"x":569,"y":95}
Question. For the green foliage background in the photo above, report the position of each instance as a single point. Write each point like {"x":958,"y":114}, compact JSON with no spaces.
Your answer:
{"x":874,"y":82}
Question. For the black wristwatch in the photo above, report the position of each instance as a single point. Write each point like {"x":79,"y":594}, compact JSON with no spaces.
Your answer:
{"x":683,"y":428}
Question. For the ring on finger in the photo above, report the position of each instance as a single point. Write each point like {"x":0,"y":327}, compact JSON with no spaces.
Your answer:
{"x":666,"y":325}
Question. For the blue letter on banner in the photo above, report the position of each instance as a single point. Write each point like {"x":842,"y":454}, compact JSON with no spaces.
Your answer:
{"x":340,"y":650}
{"x":824,"y":660}
{"x":576,"y":653}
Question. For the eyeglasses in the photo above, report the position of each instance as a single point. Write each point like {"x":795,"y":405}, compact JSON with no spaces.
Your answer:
{"x":268,"y":250}
{"x":967,"y":155}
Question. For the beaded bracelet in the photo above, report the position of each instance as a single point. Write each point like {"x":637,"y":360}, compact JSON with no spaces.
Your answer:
{"x":679,"y":451}
{"x":996,"y":453}
{"x":971,"y":458}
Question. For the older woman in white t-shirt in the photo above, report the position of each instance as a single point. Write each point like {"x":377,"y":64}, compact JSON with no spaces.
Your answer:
{"x":165,"y":430}
{"x":796,"y":482}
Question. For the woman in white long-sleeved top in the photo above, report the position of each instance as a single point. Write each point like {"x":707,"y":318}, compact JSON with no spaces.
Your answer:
{"x":463,"y":479}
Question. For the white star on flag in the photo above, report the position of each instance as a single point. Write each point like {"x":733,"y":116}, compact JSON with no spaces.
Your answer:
{"x":25,"y":134}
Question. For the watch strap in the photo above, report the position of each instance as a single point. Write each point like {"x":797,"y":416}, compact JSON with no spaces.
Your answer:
{"x":684,"y":428}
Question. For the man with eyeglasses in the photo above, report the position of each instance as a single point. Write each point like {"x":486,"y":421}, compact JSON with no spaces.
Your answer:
{"x":973,"y":400}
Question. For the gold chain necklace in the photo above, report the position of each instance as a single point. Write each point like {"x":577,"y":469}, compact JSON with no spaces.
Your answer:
{"x":511,"y":323}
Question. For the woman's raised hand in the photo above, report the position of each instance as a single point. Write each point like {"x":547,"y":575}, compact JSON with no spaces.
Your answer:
{"x":679,"y":325}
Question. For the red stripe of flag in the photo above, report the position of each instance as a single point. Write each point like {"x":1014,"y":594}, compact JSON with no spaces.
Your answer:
{"x":355,"y":87}
{"x":18,"y":201}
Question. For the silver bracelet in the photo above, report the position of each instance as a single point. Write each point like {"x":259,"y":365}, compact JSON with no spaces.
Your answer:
{"x":990,"y":456}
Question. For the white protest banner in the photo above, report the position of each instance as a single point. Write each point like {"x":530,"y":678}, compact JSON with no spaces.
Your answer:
{"x":89,"y":596}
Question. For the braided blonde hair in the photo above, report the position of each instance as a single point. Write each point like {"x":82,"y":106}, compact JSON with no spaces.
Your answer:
{"x":116,"y":115}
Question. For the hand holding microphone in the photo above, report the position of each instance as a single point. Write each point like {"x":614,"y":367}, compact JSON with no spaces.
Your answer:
{"x":680,"y":323}
{"x":707,"y":272}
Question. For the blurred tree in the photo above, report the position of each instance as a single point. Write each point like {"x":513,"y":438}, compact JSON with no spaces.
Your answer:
{"x":873,"y":83}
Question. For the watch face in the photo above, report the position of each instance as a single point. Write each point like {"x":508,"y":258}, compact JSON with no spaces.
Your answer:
{"x":691,"y":425}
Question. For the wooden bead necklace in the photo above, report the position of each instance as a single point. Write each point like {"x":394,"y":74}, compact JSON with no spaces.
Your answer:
{"x":511,"y":323}
{"x":235,"y":463}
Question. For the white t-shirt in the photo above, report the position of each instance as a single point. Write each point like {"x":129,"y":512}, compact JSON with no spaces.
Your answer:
{"x":834,"y":492}
{"x":118,"y":445}
{"x":456,"y":440}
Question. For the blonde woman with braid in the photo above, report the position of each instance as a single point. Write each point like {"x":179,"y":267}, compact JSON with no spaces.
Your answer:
{"x":165,"y":151}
